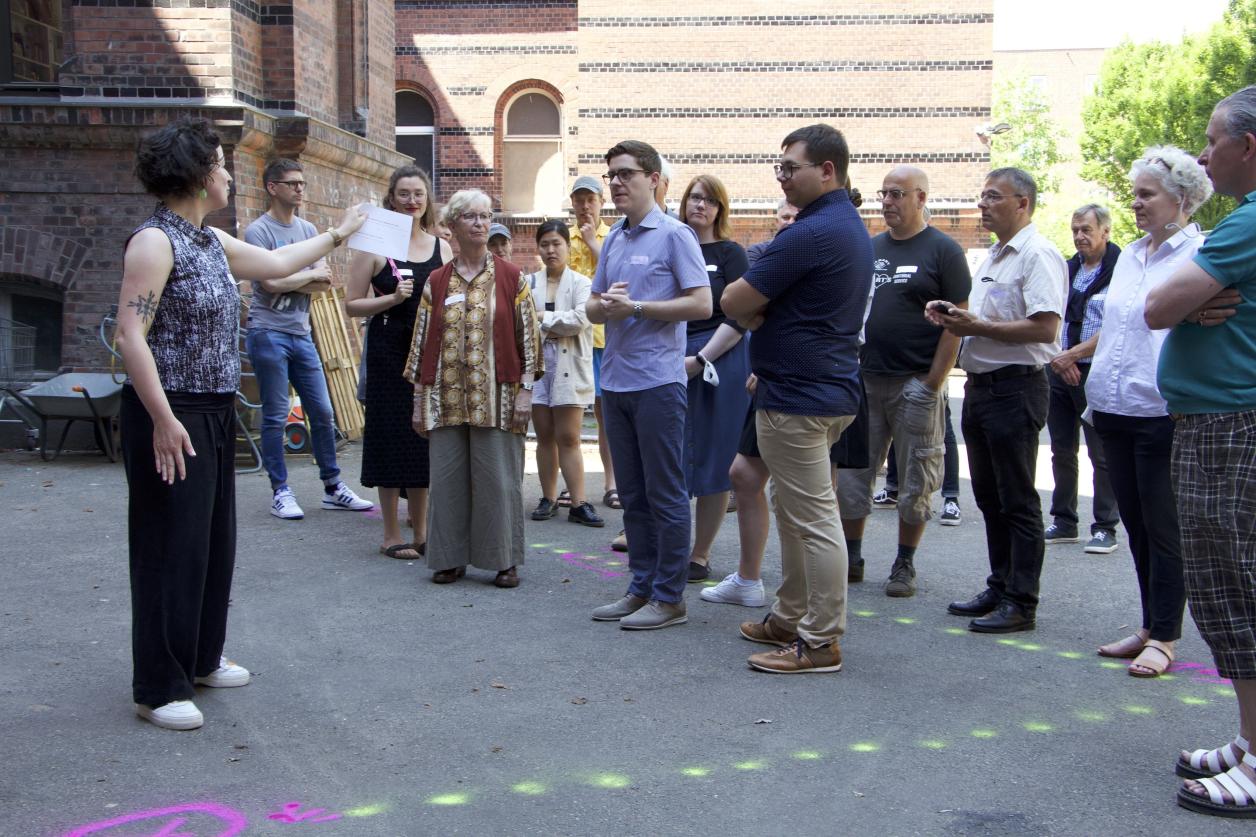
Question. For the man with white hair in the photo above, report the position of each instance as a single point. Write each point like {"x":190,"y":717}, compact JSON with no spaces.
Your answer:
{"x":1089,"y":272}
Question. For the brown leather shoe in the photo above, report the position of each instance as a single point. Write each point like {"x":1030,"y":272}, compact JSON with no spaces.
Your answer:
{"x":448,"y":576}
{"x":769,"y":632}
{"x":507,"y":578}
{"x":798,"y":658}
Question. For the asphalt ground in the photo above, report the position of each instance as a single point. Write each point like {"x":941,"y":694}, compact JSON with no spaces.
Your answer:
{"x":382,"y":704}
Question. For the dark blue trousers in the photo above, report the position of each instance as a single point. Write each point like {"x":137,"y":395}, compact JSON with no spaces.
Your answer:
{"x":646,"y":429}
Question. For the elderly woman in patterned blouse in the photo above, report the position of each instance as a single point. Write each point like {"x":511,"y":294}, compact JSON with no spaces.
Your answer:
{"x":473,"y":361}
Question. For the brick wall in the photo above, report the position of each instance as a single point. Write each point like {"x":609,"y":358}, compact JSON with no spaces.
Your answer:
{"x":69,"y":198}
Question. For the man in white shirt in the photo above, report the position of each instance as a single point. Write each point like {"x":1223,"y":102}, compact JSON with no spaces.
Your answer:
{"x":1011,"y":332}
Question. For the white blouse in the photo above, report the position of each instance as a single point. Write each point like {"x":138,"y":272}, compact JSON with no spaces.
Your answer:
{"x":1123,"y":371}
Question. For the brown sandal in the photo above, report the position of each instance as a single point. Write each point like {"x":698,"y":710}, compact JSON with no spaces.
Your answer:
{"x":1123,"y":649}
{"x":611,"y":500}
{"x":1147,"y":668}
{"x":507,"y":578}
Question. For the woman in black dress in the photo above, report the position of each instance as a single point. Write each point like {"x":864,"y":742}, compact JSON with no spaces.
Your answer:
{"x":388,"y":290}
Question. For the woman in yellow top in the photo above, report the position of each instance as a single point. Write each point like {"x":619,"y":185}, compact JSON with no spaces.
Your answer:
{"x":473,"y":360}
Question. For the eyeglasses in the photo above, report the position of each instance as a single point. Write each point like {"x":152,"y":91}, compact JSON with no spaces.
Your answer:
{"x":787,"y":170}
{"x":896,"y":194}
{"x":472,"y":217}
{"x":291,"y":184}
{"x":405,"y":196}
{"x":703,"y":200}
{"x":623,"y":175}
{"x":995,"y":197}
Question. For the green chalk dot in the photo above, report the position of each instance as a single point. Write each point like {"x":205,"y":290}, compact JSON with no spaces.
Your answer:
{"x":1038,"y":726}
{"x":1134,"y":709}
{"x":956,"y":631}
{"x":528,"y":788}
{"x":750,"y":765}
{"x":610,"y":780}
{"x":983,"y":733}
{"x":1191,"y":700}
{"x":806,"y":755}
{"x":614,"y":563}
{"x":932,"y":744}
{"x":539,"y":545}
{"x":1110,"y":664}
{"x":1168,"y":677}
{"x":865,"y":613}
{"x":449,"y":799}
{"x":709,"y":583}
{"x":1090,"y":715}
{"x":695,"y":771}
{"x":865,"y":747}
{"x":1070,"y":655}
{"x":1029,"y":646}
{"x":904,"y":620}
{"x":1012,"y":642}
{"x":1224,"y":691}
{"x":366,"y":810}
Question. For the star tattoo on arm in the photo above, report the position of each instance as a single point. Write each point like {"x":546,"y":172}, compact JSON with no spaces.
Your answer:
{"x":145,"y":306}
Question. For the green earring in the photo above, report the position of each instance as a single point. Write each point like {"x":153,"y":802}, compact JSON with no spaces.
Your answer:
{"x":203,"y":194}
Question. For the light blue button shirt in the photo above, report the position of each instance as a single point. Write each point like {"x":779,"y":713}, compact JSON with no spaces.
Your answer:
{"x":660,"y":259}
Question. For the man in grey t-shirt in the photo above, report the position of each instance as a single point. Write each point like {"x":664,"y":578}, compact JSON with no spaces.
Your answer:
{"x":282,"y":351}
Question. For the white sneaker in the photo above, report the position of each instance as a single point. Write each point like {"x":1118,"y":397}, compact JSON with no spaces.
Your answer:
{"x":344,"y":498}
{"x":284,"y":505}
{"x":228,"y":675}
{"x":729,"y":591}
{"x":178,"y":714}
{"x":950,"y":513}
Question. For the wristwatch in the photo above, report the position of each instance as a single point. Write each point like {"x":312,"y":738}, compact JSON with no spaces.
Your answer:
{"x":638,"y":310}
{"x":336,"y":238}
{"x":527,"y":385}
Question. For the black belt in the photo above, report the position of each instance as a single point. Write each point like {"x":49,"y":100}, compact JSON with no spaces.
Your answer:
{"x":1003,"y":373}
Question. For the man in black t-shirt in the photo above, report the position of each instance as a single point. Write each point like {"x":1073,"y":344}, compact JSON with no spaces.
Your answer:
{"x":905,"y":361}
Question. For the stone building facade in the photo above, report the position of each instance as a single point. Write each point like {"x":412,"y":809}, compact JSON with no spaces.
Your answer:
{"x":713,"y":86}
{"x":309,"y":79}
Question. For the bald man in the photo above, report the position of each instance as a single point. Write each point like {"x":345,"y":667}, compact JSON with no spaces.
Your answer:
{"x":905,"y":361}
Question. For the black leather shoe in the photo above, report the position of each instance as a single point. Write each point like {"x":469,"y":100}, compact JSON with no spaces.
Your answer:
{"x":1007,"y":618}
{"x":545,"y":509}
{"x":981,"y":604}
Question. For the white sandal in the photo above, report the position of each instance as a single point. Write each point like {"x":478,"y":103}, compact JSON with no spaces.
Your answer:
{"x":1204,"y":763}
{"x":1234,"y":782}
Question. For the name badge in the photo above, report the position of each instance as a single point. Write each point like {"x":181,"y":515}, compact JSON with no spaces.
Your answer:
{"x":405,"y":271}
{"x":711,"y":268}
{"x":455,"y":299}
{"x":639,"y":259}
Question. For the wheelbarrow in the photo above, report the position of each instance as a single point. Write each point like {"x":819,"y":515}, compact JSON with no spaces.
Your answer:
{"x":71,"y":397}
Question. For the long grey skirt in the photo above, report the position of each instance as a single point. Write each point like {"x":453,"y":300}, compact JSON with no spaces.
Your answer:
{"x":475,"y":505}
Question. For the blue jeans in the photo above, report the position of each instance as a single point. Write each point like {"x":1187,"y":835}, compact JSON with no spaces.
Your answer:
{"x":646,"y":430}
{"x":277,"y":359}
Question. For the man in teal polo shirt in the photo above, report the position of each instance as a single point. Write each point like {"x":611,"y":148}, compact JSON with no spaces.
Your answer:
{"x":1207,"y":375}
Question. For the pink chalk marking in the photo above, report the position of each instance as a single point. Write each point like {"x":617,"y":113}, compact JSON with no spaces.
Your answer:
{"x":235,"y":822}
{"x":291,"y":813}
{"x":1200,"y":673}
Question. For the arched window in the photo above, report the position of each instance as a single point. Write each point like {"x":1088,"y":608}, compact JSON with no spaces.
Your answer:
{"x":416,"y":130}
{"x":532,"y":155}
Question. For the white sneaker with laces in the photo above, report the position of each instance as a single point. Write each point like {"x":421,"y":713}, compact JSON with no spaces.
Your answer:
{"x":284,"y":505}
{"x":344,"y":498}
{"x":1102,"y":543}
{"x":729,"y":591}
{"x":950,"y":514}
{"x":178,"y":714}
{"x":228,"y":675}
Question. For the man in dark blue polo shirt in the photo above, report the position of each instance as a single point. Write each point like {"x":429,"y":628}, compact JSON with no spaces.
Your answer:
{"x":804,"y":298}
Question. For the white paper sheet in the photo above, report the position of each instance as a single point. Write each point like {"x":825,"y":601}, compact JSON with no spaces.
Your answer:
{"x":385,"y":233}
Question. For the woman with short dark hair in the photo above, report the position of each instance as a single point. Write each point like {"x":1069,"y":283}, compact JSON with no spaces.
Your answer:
{"x":178,"y":334}
{"x":559,"y":399}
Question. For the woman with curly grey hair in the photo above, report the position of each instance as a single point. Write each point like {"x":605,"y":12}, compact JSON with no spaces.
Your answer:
{"x":1130,"y":415}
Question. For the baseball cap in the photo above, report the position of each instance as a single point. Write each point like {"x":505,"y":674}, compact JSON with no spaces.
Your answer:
{"x":587,"y":183}
{"x":498,"y":229}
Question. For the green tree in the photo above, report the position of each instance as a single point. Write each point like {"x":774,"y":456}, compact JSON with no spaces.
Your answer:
{"x":1163,"y":94}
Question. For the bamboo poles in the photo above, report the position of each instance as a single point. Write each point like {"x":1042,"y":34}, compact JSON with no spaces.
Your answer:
{"x":340,"y":365}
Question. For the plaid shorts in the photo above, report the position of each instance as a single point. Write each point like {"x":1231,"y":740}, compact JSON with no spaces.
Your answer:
{"x":1214,"y":478}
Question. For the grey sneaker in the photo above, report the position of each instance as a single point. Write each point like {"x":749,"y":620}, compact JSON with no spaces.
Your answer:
{"x":950,"y":513}
{"x":654,"y":615}
{"x":1054,"y":534}
{"x":902,"y":582}
{"x":615,"y":611}
{"x":1102,"y":542}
